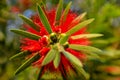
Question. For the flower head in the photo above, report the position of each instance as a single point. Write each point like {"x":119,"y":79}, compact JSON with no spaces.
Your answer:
{"x":56,"y":36}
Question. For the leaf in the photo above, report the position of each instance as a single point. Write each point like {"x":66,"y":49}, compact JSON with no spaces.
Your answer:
{"x":58,"y":12}
{"x":56,"y":61}
{"x":63,"y":38}
{"x":86,"y":36}
{"x":81,"y":71}
{"x":79,"y":26}
{"x":64,"y":15}
{"x":19,"y":55}
{"x":49,"y":57}
{"x":44,"y":19}
{"x":42,"y":3}
{"x":72,"y":58}
{"x":40,"y":73}
{"x":2,"y":36}
{"x":26,"y":34}
{"x":63,"y":72}
{"x":85,"y":48}
{"x":30,"y":22}
{"x":77,"y":20}
{"x":27,"y":63}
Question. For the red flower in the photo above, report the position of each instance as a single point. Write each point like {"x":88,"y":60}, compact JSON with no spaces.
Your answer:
{"x":42,"y":44}
{"x":54,"y":41}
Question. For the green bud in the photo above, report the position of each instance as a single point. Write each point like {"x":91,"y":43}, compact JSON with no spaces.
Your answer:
{"x":53,"y":37}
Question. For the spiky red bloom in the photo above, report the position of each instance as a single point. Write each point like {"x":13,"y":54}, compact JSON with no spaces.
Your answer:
{"x":41,"y":45}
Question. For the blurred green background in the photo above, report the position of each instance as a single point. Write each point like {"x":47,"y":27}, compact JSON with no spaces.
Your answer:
{"x":107,"y":22}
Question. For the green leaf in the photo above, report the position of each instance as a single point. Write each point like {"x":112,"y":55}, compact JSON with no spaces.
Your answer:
{"x":86,"y":36}
{"x":65,"y":13}
{"x":42,"y":3}
{"x":49,"y":57}
{"x":63,"y":72}
{"x":82,"y":72}
{"x":27,"y":63}
{"x":63,"y":38}
{"x":30,"y":22}
{"x":72,"y":58}
{"x":77,"y":20}
{"x":56,"y":61}
{"x":26,"y":34}
{"x":19,"y":55}
{"x":80,"y":17}
{"x":2,"y":36}
{"x":85,"y":48}
{"x":44,"y":19}
{"x":79,"y":26}
{"x":58,"y":12}
{"x":41,"y":72}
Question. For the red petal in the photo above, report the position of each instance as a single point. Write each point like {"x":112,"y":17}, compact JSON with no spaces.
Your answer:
{"x":30,"y":45}
{"x":83,"y":41}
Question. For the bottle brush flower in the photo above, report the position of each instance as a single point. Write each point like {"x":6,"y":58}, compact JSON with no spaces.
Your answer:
{"x":55,"y":40}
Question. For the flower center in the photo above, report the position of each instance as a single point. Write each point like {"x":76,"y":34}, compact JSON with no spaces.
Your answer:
{"x":55,"y":37}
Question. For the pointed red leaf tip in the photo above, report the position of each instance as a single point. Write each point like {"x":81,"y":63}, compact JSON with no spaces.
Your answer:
{"x":51,"y":35}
